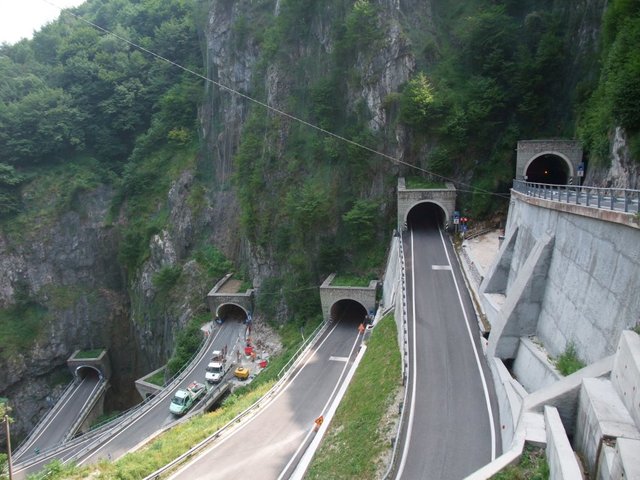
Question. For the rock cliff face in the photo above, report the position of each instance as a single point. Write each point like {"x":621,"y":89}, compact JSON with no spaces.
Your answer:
{"x":63,"y":269}
{"x":68,"y":267}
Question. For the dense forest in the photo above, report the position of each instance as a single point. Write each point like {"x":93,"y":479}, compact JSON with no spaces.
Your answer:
{"x":127,"y":96}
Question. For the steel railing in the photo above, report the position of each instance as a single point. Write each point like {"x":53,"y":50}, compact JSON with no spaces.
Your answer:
{"x":616,"y":199}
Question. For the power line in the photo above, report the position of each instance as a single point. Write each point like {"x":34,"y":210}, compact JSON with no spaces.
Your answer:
{"x":274,"y":109}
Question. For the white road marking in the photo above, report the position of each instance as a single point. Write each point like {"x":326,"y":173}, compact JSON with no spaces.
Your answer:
{"x":440,"y":267}
{"x":338,"y":359}
{"x":475,"y":352}
{"x":405,"y":450}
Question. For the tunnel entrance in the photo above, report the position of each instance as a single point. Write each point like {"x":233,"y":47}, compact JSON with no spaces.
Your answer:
{"x":231,"y":311}
{"x":349,"y":311}
{"x":426,"y":215}
{"x":548,"y":168}
{"x":87,"y":371}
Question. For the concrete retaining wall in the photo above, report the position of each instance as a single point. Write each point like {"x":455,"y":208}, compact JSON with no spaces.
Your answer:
{"x":589,"y":282}
{"x":532,"y":367}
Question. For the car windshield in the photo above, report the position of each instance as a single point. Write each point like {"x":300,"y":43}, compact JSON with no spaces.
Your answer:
{"x":214,"y":369}
{"x":179,"y":400}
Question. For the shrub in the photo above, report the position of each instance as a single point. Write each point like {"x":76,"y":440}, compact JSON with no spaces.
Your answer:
{"x":568,"y":362}
{"x":166,"y":278}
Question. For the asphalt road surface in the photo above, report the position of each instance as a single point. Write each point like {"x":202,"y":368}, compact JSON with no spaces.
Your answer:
{"x":65,"y":413}
{"x":135,"y":429}
{"x":159,"y":417}
{"x":268,"y":445}
{"x":450,"y":430}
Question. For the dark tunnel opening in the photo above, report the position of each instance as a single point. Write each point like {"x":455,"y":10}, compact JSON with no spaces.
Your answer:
{"x":426,"y":215}
{"x":87,"y":372}
{"x":550,"y":169}
{"x":349,"y":311}
{"x":230,"y":312}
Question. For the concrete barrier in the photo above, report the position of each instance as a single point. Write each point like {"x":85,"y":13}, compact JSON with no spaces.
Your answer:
{"x":561,"y":458}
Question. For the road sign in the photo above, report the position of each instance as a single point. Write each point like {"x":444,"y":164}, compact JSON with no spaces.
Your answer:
{"x":581,"y":169}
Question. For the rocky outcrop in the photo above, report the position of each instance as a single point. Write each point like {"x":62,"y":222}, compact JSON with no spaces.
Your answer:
{"x":62,"y":270}
{"x":623,"y":172}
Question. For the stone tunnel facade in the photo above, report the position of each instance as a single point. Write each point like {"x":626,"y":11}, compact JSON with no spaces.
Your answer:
{"x":445,"y":198}
{"x":329,"y":295}
{"x":528,"y":150}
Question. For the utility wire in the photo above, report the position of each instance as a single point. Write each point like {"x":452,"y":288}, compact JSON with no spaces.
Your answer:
{"x":274,"y":109}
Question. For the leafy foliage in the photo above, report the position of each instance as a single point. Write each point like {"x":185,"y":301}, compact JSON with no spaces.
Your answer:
{"x":165,"y":278}
{"x":568,"y":362}
{"x":615,"y":101}
{"x":186,"y":345}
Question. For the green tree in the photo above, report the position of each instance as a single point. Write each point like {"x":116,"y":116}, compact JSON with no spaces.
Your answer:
{"x":361,"y":222}
{"x":417,"y":102}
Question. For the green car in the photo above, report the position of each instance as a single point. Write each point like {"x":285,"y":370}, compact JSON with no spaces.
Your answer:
{"x":183,"y":400}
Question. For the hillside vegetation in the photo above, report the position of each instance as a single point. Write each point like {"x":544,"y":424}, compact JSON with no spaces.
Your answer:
{"x":82,"y":110}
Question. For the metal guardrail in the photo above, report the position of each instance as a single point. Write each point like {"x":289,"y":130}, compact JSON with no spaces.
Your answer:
{"x":405,"y":357}
{"x":302,"y":347}
{"x":45,"y":420}
{"x":115,"y":424}
{"x":615,"y":199}
{"x":282,"y":375}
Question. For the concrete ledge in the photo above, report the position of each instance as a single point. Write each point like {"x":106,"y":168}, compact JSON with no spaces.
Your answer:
{"x":564,"y":394}
{"x":560,"y":456}
{"x":601,"y":417}
{"x":509,"y":394}
{"x":146,"y":389}
{"x":625,"y":374}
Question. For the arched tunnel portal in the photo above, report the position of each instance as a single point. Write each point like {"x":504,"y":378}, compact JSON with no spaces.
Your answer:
{"x":86,"y":371}
{"x":231,"y":311}
{"x":350,"y":311}
{"x":548,"y":168}
{"x":426,"y":214}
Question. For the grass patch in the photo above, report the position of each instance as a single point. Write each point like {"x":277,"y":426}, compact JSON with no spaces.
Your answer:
{"x":356,"y":440}
{"x":157,"y":378}
{"x":418,"y":183}
{"x":568,"y":362}
{"x":350,"y":281}
{"x":532,"y":466}
{"x":164,"y":448}
{"x":181,"y":438}
{"x":95,"y":353}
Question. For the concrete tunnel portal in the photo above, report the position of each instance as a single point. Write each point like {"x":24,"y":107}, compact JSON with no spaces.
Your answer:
{"x":350,"y":311}
{"x":426,"y":215}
